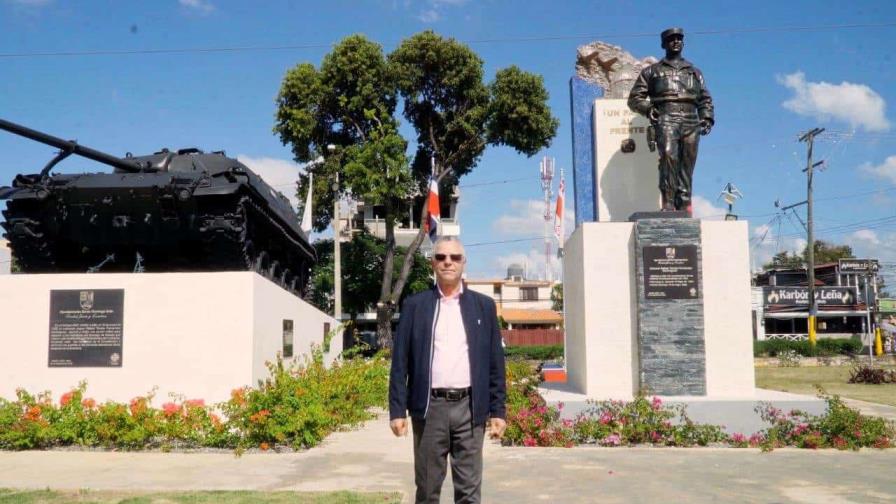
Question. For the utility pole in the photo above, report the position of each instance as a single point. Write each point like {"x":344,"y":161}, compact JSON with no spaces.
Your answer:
{"x":809,"y":138}
{"x":547,"y":177}
{"x":337,"y":256}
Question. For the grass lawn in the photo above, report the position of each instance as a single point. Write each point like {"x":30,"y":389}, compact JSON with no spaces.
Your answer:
{"x":8,"y":496}
{"x":802,"y":380}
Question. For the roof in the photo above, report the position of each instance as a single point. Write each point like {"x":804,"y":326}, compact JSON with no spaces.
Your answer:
{"x":523,"y":316}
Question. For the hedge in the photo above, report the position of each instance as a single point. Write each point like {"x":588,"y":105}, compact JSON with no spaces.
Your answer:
{"x":535,"y":352}
{"x":823,"y":347}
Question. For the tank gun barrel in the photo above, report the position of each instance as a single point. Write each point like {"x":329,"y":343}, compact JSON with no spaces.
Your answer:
{"x":71,"y":147}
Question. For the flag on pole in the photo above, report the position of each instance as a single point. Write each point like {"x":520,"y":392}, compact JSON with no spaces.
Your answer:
{"x":306,"y":215}
{"x":558,"y":213}
{"x":432,"y":210}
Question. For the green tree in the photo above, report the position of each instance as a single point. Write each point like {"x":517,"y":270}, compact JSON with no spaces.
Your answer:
{"x":557,"y":297}
{"x":825,"y":252}
{"x":351,"y":102}
{"x":362,"y":267}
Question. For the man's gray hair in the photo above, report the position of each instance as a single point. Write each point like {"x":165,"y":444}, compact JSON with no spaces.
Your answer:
{"x":447,"y":239}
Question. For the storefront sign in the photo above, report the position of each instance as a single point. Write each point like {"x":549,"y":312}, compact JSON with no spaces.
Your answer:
{"x":799,"y":296}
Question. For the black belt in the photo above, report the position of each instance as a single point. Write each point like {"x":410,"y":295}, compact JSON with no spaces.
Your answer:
{"x":451,"y":394}
{"x":671,"y":106}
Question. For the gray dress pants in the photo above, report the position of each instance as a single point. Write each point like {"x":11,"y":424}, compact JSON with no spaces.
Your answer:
{"x":448,"y":429}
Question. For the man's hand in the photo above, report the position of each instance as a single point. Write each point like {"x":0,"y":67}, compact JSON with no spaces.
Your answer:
{"x":705,"y":127}
{"x":496,"y":427}
{"x":399,"y":426}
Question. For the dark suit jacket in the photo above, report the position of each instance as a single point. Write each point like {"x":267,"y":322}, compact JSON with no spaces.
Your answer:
{"x":412,"y":347}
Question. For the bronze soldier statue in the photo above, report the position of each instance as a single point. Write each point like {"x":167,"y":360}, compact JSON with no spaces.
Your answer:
{"x":673,"y":96}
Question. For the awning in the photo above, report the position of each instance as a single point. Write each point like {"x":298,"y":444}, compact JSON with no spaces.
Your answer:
{"x":820,"y":315}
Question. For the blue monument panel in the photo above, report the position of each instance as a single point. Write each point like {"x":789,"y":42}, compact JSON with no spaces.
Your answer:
{"x":582,"y":95}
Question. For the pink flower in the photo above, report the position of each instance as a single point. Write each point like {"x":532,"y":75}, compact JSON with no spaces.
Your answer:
{"x":195,"y":403}
{"x":606,"y":418}
{"x":738,"y":437}
{"x":170,"y":409}
{"x":656,"y":403}
{"x":528,"y":441}
{"x":612,"y":440}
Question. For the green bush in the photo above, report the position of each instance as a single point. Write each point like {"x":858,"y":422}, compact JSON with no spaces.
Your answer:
{"x":823,"y":347}
{"x":297,"y":406}
{"x":535,"y":352}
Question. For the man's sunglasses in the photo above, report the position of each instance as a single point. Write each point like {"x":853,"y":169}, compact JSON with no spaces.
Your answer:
{"x":454,"y":257}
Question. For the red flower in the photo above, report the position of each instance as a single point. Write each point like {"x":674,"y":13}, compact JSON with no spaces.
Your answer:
{"x":137,"y":405}
{"x":66,"y":398}
{"x":33,"y":413}
{"x":264,"y":446}
{"x":170,"y":409}
{"x":195,"y":403}
{"x":88,"y":403}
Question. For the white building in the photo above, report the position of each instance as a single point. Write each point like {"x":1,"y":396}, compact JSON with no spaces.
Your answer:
{"x":524,"y":304}
{"x":5,"y":257}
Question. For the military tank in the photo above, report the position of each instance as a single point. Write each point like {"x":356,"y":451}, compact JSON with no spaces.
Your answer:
{"x":183,"y":210}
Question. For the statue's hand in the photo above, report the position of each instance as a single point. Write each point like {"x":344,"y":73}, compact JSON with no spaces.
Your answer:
{"x":705,"y":127}
{"x":653,"y":115}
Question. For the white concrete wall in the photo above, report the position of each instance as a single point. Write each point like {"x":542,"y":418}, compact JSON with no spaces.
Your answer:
{"x":600,"y":314}
{"x":726,"y":309}
{"x":600,"y":301}
{"x":197,"y":334}
{"x":625,"y":182}
{"x":5,"y":257}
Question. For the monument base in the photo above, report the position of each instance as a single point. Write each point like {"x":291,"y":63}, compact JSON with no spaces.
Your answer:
{"x":601,"y":310}
{"x":196,"y":334}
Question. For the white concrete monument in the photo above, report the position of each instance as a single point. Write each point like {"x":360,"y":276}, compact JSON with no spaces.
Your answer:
{"x":601,"y":310}
{"x":196,"y":334}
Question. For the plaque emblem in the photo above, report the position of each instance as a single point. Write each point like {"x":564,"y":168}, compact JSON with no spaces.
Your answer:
{"x":86,"y":300}
{"x":670,"y":252}
{"x":114,"y":359}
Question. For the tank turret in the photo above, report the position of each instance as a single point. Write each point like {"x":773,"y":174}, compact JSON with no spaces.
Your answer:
{"x":183,"y":210}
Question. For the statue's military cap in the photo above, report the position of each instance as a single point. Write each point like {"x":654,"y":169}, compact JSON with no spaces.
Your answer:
{"x":670,"y":32}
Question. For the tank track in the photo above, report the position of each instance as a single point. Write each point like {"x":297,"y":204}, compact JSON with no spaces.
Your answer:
{"x":249,"y":238}
{"x":28,"y":240}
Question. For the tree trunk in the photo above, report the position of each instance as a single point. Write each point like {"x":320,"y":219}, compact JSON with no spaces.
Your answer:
{"x":385,"y":308}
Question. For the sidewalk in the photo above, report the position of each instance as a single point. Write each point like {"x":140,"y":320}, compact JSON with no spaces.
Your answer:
{"x":371,"y":459}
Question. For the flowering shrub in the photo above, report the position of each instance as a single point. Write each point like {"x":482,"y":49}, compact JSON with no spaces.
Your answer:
{"x":297,"y":406}
{"x":839,"y":427}
{"x":642,"y":421}
{"x":647,"y":420}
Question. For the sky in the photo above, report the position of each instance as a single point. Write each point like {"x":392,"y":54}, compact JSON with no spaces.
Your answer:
{"x":125,"y":76}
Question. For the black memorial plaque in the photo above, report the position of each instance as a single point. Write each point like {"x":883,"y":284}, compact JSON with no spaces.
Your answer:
{"x":86,"y":328}
{"x":670,"y":272}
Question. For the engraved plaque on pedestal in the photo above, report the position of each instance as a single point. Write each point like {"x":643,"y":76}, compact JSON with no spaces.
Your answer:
{"x":86,"y":328}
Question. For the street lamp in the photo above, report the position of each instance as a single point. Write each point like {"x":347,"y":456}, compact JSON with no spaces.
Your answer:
{"x":337,"y":256}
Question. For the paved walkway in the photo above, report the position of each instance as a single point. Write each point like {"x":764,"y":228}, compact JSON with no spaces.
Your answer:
{"x":371,"y":459}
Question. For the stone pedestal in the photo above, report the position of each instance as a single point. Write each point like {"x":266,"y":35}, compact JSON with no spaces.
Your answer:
{"x":606,"y":359}
{"x":671,"y":350}
{"x":196,"y":334}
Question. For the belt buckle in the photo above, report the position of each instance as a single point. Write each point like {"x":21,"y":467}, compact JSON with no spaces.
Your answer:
{"x":453,"y":395}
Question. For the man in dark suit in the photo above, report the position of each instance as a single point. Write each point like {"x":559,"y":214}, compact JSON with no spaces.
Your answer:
{"x":448,"y":372}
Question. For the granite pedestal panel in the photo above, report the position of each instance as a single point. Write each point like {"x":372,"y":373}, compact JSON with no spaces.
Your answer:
{"x":196,"y":334}
{"x":601,"y":312}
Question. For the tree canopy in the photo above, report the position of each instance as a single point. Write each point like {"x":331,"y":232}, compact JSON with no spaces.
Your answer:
{"x":351,"y":103}
{"x":825,"y":252}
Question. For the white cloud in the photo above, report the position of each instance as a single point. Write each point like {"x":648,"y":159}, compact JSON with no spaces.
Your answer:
{"x":885,"y":170}
{"x":281,"y":174}
{"x":201,"y":6}
{"x":705,"y":209}
{"x":766,"y":242}
{"x":866,"y":235}
{"x":432,"y":11}
{"x":429,"y":16}
{"x":856,"y":104}
{"x":532,"y":262}
{"x":526,"y":219}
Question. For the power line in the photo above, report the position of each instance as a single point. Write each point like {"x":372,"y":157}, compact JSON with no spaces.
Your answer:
{"x":546,"y":38}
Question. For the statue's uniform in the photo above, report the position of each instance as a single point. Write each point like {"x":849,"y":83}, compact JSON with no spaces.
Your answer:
{"x":675,"y":88}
